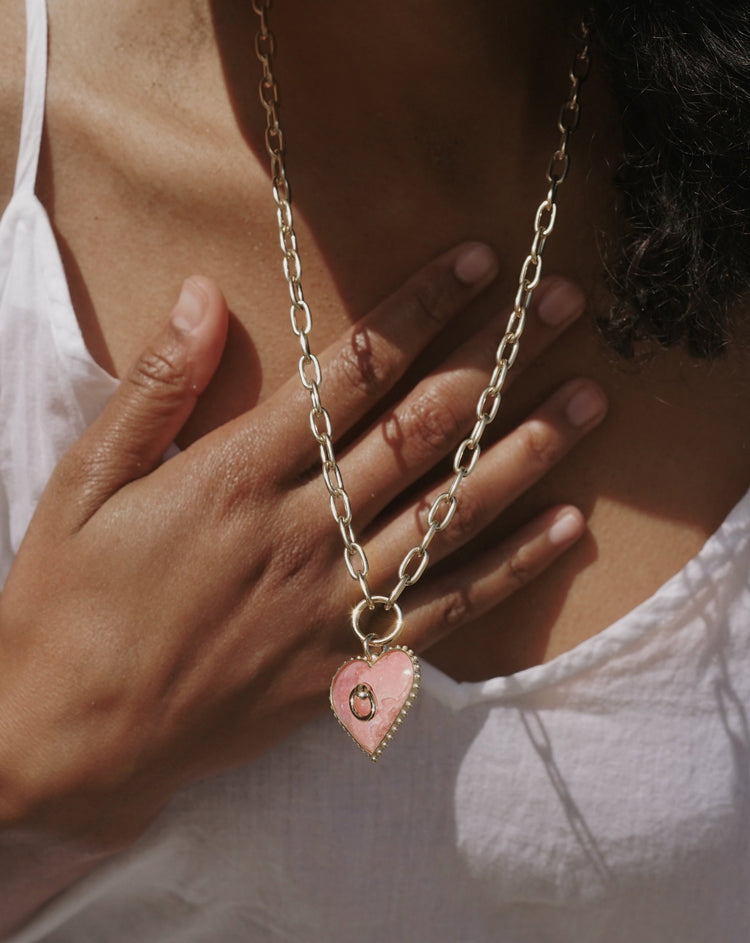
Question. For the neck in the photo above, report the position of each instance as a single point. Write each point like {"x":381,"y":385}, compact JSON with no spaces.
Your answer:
{"x":441,"y":75}
{"x":434,"y":107}
{"x":461,"y":92}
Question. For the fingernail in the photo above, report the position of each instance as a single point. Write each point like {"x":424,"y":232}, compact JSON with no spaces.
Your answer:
{"x":561,"y":302}
{"x":475,"y":264}
{"x":190,"y":308}
{"x":585,"y":406}
{"x":567,"y":527}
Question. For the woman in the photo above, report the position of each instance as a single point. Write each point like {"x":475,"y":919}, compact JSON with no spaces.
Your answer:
{"x":169,"y":631}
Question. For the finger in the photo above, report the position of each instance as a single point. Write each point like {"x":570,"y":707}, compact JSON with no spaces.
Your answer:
{"x":556,"y":303}
{"x":153,"y":401}
{"x":460,"y":593}
{"x":361,"y":367}
{"x":442,"y":409}
{"x":504,"y":472}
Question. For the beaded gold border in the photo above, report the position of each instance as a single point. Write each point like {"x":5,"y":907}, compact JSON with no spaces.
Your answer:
{"x":388,"y":736}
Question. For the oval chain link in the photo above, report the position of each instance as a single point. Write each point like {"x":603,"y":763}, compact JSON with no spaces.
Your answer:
{"x":444,"y":506}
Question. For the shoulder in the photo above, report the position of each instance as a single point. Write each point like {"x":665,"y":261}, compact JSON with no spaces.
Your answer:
{"x":12,"y":71}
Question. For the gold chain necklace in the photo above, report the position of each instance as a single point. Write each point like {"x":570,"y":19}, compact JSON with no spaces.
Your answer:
{"x":371,"y":693}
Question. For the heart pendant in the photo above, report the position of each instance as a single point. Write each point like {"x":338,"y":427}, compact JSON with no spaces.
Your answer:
{"x":371,"y":697}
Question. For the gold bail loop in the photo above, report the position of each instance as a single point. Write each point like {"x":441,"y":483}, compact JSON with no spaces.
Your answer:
{"x":369,"y":639}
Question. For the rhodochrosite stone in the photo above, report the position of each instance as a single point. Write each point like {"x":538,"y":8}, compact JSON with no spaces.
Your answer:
{"x":371,"y":698}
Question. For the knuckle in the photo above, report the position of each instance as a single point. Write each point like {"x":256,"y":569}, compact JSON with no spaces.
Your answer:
{"x":229,"y":489}
{"x":455,"y":608}
{"x":429,"y":423}
{"x":297,"y":561}
{"x":520,"y":567}
{"x":540,"y":446}
{"x":286,"y":549}
{"x":469,"y":518}
{"x":422,"y":515}
{"x":431,"y":297}
{"x":160,"y":372}
{"x":365,"y":367}
{"x":228,"y":500}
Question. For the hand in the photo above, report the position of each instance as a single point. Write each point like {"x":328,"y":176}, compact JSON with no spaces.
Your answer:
{"x":165,"y":620}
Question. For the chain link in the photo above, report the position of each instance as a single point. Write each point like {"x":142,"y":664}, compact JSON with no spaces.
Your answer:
{"x":444,"y":507}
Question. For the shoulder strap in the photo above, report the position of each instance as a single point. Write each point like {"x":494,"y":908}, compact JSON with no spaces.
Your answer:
{"x":34,"y":95}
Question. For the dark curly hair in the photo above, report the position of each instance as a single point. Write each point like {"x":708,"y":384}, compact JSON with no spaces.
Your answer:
{"x":680,"y":72}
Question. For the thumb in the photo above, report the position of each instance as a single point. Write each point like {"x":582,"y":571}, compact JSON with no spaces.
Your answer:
{"x":153,"y":401}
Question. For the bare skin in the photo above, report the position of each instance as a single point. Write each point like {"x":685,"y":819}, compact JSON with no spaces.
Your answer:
{"x":149,"y":177}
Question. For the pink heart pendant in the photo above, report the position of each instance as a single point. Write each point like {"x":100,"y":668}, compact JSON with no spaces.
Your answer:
{"x":371,"y":698}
